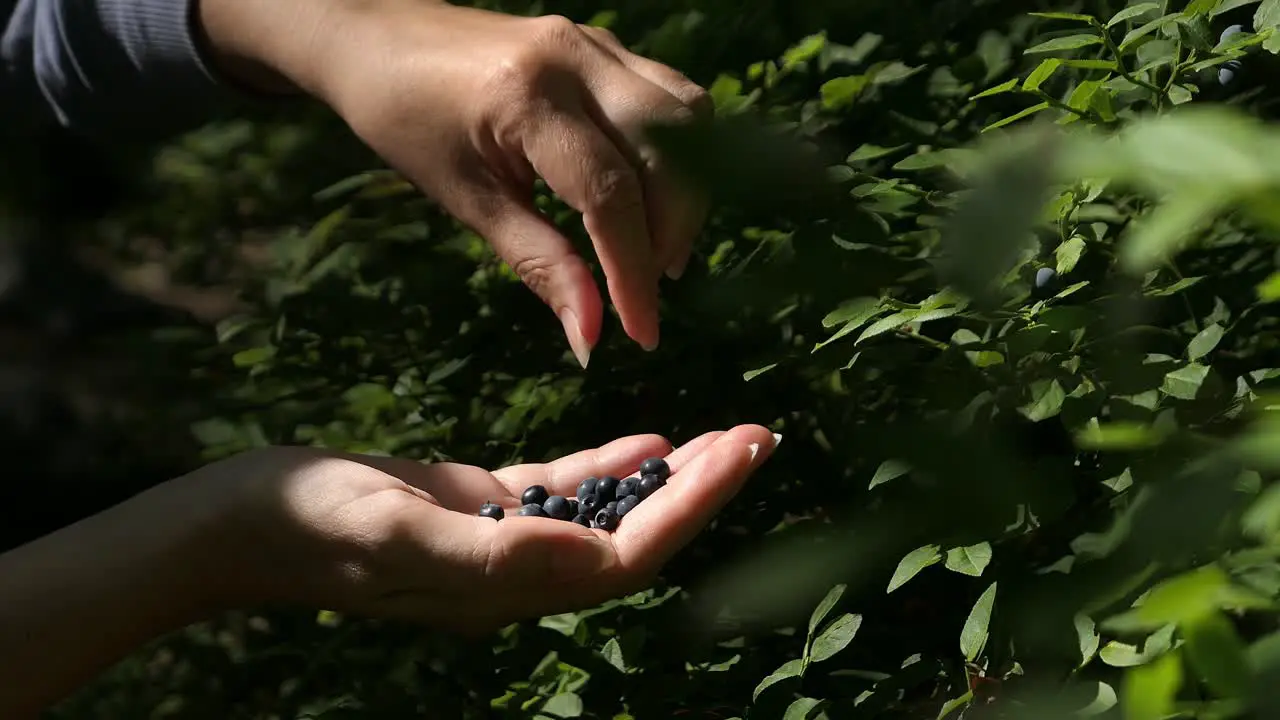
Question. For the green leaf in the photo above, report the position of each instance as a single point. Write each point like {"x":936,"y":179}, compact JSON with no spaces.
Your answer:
{"x":1067,"y":42}
{"x":1103,"y":700}
{"x":1047,"y":397}
{"x":1040,"y":74}
{"x":970,"y":560}
{"x":1140,"y":32}
{"x":842,"y":91}
{"x":912,"y":564}
{"x":788,"y":670}
{"x":1262,"y":520}
{"x":1068,"y":254}
{"x":801,"y":709}
{"x":1131,"y":12}
{"x":1119,"y":436}
{"x":1218,"y":655}
{"x":835,"y":637}
{"x":1269,"y":289}
{"x":973,"y":637}
{"x":563,"y":705}
{"x":750,"y":375}
{"x":1150,"y":691}
{"x":1226,"y":6}
{"x":1184,"y":383}
{"x":1002,"y":88}
{"x":1205,"y":341}
{"x":857,"y":310}
{"x":824,"y":608}
{"x":1181,"y":599}
{"x":889,"y":470}
{"x":253,"y":356}
{"x":1163,"y":232}
{"x":1088,"y":638}
{"x":612,"y":653}
{"x":1016,"y":117}
{"x":1063,"y":16}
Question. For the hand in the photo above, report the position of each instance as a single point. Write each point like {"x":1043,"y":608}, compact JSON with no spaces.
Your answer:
{"x":472,"y":105}
{"x":396,"y":538}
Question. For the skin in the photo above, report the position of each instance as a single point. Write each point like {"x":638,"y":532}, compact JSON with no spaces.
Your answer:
{"x":371,"y":536}
{"x":470,"y":106}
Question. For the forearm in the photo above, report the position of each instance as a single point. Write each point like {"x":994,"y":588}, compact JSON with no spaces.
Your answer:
{"x":76,"y":601}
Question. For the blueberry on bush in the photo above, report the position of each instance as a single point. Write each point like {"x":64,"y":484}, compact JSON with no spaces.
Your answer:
{"x":587,"y":487}
{"x":1227,"y":71}
{"x":607,"y":520}
{"x":534,"y":495}
{"x":607,"y":488}
{"x":1044,"y":276}
{"x":557,"y":507}
{"x":628,"y":486}
{"x":492,"y":510}
{"x":533,"y":510}
{"x":655,"y":466}
{"x":649,"y":484}
{"x":627,"y":504}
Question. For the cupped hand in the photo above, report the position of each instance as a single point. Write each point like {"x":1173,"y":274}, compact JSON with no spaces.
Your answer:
{"x":396,"y":538}
{"x":472,"y":106}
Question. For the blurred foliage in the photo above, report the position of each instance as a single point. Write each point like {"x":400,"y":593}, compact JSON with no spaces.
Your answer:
{"x":996,"y":498}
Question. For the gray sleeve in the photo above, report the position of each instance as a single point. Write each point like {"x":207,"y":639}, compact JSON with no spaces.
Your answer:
{"x":118,"y":68}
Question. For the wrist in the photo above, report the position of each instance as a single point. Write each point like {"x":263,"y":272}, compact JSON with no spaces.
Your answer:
{"x":266,"y":46}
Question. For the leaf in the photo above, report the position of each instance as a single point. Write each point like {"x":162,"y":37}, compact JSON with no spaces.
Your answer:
{"x":1000,"y":89}
{"x":1063,"y":16}
{"x":1131,"y":12}
{"x":842,"y":91}
{"x":859,"y":310}
{"x":1047,"y":397}
{"x":1104,"y":700}
{"x":1160,"y":234}
{"x":1067,"y":42}
{"x":563,"y":705}
{"x":912,"y":564}
{"x":612,"y":653}
{"x":1140,"y":32}
{"x":1205,"y":341}
{"x":789,"y":669}
{"x":1016,"y":117}
{"x":1088,"y":638}
{"x":1040,"y":74}
{"x":1181,"y":599}
{"x":750,"y":375}
{"x":1217,"y":653}
{"x":253,"y":356}
{"x":885,"y":324}
{"x":824,"y":608}
{"x":971,"y":560}
{"x":889,"y":470}
{"x":1068,"y":254}
{"x":973,"y":637}
{"x":800,"y":709}
{"x":835,"y":637}
{"x":1150,"y":691}
{"x":1269,"y":289}
{"x":1184,"y":383}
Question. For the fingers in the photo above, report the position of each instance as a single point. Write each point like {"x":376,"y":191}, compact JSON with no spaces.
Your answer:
{"x":677,"y":209}
{"x":699,"y":486}
{"x":546,"y":262}
{"x":561,"y":477}
{"x":582,"y":165}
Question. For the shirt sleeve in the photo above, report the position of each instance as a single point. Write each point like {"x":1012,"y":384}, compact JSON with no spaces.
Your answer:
{"x":118,"y":68}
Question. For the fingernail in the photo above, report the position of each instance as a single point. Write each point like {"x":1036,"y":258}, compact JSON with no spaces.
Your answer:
{"x":589,"y":556}
{"x":777,"y":439}
{"x":755,"y":449}
{"x":676,"y":271}
{"x":577,"y":341}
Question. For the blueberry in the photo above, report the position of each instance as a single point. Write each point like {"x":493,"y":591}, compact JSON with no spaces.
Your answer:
{"x":573,"y":506}
{"x":655,"y":466}
{"x":533,"y":510}
{"x":587,"y":487}
{"x":650,"y":484}
{"x":1227,"y":73}
{"x":581,"y":520}
{"x":607,"y":520}
{"x":557,"y":507}
{"x":627,"y":487}
{"x":1044,"y":276}
{"x":490,"y":510}
{"x":607,"y":488}
{"x":611,"y":506}
{"x":1230,"y":33}
{"x":588,"y":504}
{"x":626,"y":504}
{"x":534,"y":495}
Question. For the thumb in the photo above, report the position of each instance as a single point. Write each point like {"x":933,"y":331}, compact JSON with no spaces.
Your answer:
{"x":546,"y":262}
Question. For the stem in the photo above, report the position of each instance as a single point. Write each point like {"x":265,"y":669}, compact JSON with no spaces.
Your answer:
{"x":1161,"y":95}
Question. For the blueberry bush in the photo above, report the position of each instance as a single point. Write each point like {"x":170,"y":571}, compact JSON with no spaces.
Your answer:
{"x":1000,"y":273}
